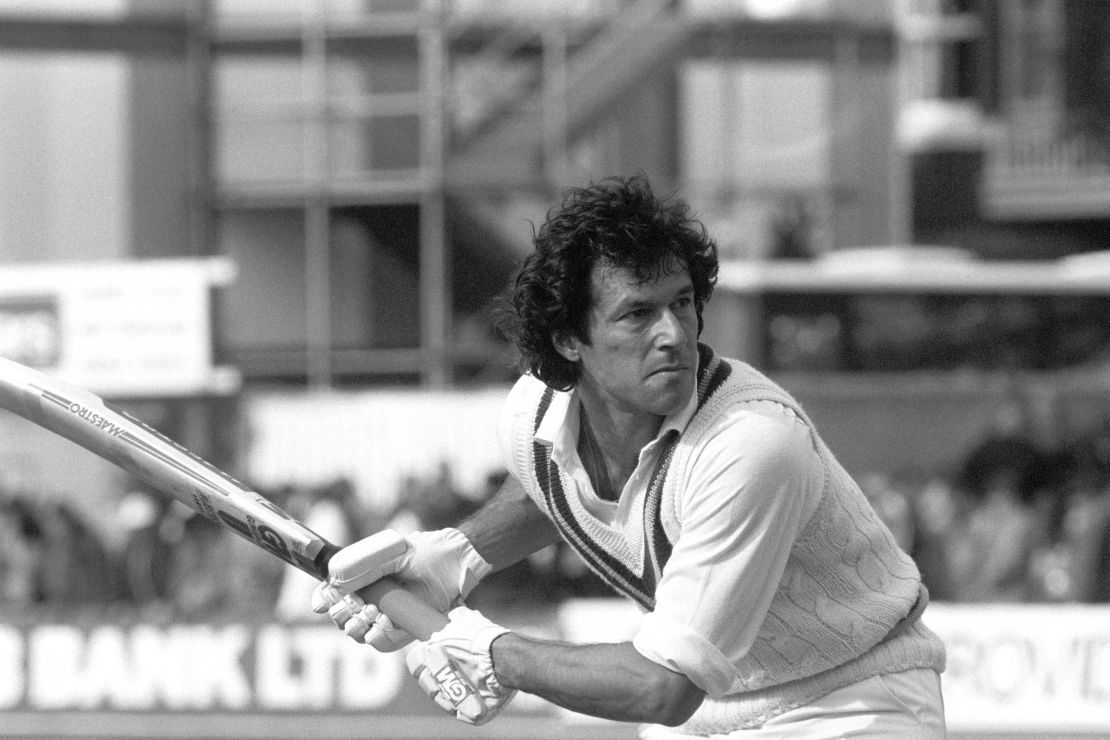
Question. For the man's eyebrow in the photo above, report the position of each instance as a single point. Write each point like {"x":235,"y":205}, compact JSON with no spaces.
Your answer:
{"x":629,"y":303}
{"x":685,"y":292}
{"x":625,"y":304}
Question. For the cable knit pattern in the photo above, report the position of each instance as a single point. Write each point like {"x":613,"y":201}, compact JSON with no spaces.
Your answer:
{"x":848,"y":603}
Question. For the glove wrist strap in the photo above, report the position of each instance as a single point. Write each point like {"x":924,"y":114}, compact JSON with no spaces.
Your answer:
{"x":472,"y":565}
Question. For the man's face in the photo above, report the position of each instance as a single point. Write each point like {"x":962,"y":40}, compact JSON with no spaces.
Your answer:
{"x":642,"y":354}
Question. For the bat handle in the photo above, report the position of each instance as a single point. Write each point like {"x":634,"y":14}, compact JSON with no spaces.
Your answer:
{"x":403,"y":609}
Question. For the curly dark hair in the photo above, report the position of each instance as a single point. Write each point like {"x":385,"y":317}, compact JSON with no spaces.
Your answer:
{"x":618,"y":220}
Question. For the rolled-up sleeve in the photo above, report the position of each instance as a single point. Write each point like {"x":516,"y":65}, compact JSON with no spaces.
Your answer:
{"x":748,"y":493}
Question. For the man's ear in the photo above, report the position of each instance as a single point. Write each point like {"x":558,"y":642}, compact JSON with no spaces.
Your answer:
{"x":567,"y":346}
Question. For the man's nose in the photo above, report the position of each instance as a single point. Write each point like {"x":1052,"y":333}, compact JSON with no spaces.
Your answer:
{"x":670,"y":331}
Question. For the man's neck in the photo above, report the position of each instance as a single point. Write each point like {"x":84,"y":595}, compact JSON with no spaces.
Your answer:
{"x":614,"y":439}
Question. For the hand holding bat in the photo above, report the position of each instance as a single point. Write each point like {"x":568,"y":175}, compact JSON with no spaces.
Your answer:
{"x":441,"y":567}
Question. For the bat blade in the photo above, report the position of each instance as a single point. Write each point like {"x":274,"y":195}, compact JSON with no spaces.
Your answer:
{"x":88,"y":421}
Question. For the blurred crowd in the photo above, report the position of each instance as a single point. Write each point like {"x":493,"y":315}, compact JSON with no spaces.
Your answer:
{"x":1012,"y":523}
{"x":168,"y":563}
{"x":1015,"y":522}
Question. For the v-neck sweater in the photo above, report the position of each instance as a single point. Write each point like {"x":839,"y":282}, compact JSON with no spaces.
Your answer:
{"x":764,"y":574}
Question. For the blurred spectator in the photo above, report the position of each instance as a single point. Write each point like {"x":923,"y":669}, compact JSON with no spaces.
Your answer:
{"x":151,"y":532}
{"x":989,"y":557}
{"x":890,"y":497}
{"x":197,"y":584}
{"x":1052,"y":567}
{"x":254,"y":578}
{"x":1089,"y":519}
{"x":76,"y":567}
{"x":405,"y":517}
{"x":1075,"y":508}
{"x":938,"y":509}
{"x":50,"y":555}
{"x":426,"y":504}
{"x":19,"y":559}
{"x":440,"y":503}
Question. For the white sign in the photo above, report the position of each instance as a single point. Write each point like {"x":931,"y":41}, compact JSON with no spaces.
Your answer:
{"x":192,"y":667}
{"x":117,"y":328}
{"x":1025,"y":667}
{"x":1013,"y":670}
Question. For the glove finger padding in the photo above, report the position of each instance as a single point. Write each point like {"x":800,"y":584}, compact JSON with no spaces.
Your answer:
{"x":444,"y":684}
{"x":325,"y":596}
{"x":414,"y":659}
{"x":344,"y":610}
{"x":365,"y":623}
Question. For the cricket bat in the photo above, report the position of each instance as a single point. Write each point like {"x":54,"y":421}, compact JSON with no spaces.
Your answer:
{"x":85,"y":419}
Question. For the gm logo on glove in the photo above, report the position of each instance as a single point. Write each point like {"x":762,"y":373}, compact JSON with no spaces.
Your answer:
{"x":451,"y":684}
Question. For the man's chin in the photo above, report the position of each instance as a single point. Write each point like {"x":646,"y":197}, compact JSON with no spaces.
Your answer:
{"x":670,"y":392}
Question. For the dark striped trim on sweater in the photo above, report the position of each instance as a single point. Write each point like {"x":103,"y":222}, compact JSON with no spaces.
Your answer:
{"x":611,"y":569}
{"x":712,"y":373}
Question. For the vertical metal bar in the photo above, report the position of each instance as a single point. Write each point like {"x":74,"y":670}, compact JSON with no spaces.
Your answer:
{"x":317,"y":293}
{"x":847,"y":131}
{"x":555,"y":103}
{"x":435,"y":290}
{"x":317,"y":253}
{"x":435,"y":284}
{"x":198,"y":68}
{"x":729,"y":186}
{"x":907,"y":73}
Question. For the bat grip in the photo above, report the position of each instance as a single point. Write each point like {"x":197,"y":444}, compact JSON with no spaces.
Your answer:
{"x":403,"y":609}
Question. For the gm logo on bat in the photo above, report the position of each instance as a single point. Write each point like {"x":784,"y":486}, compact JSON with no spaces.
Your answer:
{"x":273,"y":542}
{"x":453,"y":687}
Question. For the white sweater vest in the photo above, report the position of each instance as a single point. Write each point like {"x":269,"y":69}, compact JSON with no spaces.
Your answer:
{"x":846,"y":608}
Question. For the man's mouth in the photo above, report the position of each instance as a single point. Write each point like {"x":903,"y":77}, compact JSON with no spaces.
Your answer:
{"x":670,"y":369}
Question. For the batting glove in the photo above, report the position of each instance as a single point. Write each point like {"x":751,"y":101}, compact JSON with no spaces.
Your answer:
{"x":440,"y":567}
{"x":455,"y":669}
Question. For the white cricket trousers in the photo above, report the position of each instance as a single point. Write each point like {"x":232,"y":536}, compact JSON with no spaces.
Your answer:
{"x":899,"y":706}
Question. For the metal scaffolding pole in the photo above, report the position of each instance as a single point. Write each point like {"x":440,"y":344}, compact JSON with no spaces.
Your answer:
{"x":316,"y":226}
{"x":435,"y":262}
